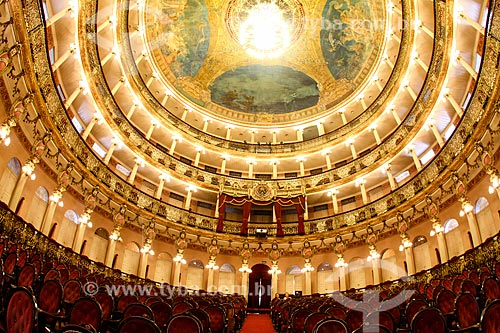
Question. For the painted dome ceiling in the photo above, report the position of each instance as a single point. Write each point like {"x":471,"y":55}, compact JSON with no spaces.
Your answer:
{"x":226,"y":58}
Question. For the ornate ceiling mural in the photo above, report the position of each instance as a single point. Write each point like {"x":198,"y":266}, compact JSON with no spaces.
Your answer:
{"x":269,"y":57}
{"x":271,"y":89}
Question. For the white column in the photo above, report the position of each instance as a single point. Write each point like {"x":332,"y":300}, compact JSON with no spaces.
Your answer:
{"x":376,"y":271}
{"x":27,"y":171}
{"x":252,"y":136}
{"x":361,"y":183}
{"x":472,"y":22}
{"x":65,"y":56}
{"x":442,"y":246}
{"x":132,"y":110}
{"x":275,"y":169}
{"x":56,"y":17}
{"x":154,"y":124}
{"x":300,"y":136}
{"x":343,"y":279}
{"x":333,"y":193}
{"x":471,"y":219}
{"x":321,"y":128}
{"x":223,"y":164}
{"x":166,"y":97}
{"x":143,"y":264}
{"x":437,"y":135}
{"x":410,"y":90}
{"x":328,"y":161}
{"x":228,"y":133}
{"x":189,"y":195}
{"x":416,"y":160}
{"x":150,"y":80}
{"x":48,"y":217}
{"x":388,"y":62}
{"x":390,"y":177}
{"x":410,"y":260}
{"x":275,"y":137}
{"x":159,"y":190}
{"x":244,"y":280}
{"x":205,"y":125}
{"x":110,"y":252}
{"x":301,"y":167}
{"x":185,"y":113}
{"x":74,"y":95}
{"x":171,"y":151}
{"x":423,"y":28}
{"x":199,"y":151}
{"x":177,"y":273}
{"x":274,"y":279}
{"x":363,"y":103}
{"x":97,"y":119}
{"x":353,"y":150}
{"x":109,"y":153}
{"x":420,"y":62}
{"x":133,"y":173}
{"x":467,"y":67}
{"x":343,"y":117}
{"x":308,"y":290}
{"x":78,"y":240}
{"x":250,"y":169}
{"x":396,"y":116}
{"x":118,"y":85}
{"x":458,"y":109}
{"x":373,"y":129}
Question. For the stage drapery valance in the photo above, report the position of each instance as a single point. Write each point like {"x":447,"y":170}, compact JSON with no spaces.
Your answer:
{"x":247,"y":202}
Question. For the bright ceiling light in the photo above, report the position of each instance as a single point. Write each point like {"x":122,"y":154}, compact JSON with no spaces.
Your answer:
{"x":265,"y":34}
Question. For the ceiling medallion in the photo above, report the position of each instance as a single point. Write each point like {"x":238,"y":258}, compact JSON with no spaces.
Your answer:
{"x":265,"y":29}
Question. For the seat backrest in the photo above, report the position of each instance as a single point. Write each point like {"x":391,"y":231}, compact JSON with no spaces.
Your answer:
{"x":217,"y":318}
{"x":336,"y":312}
{"x":298,"y":319}
{"x":139,"y":324}
{"x":469,"y":286}
{"x":9,"y":263}
{"x":466,"y":310}
{"x":313,"y":319}
{"x":382,"y":318}
{"x":429,"y":320}
{"x":181,"y":307}
{"x":124,"y":301}
{"x":491,"y":289}
{"x":22,"y":258}
{"x":446,"y":301}
{"x":162,"y":313}
{"x":412,"y":308}
{"x":106,"y":302}
{"x":490,"y":318}
{"x":72,"y":291}
{"x":183,"y":323}
{"x":86,"y":311}
{"x":26,"y":276}
{"x":330,"y":325}
{"x":21,"y":312}
{"x":138,"y":310}
{"x":50,"y":297}
{"x":354,"y":319}
{"x":52,"y":274}
{"x":203,"y":317}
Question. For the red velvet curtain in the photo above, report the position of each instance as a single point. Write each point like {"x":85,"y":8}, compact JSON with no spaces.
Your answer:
{"x":279,"y":227}
{"x":300,"y":207}
{"x":247,"y":207}
{"x":246,"y":202}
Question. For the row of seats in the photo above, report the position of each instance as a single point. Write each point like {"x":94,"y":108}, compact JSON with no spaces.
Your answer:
{"x":42,"y":293}
{"x":463,"y":301}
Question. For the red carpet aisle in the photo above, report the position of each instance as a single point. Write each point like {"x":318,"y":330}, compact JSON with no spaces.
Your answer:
{"x":257,"y":323}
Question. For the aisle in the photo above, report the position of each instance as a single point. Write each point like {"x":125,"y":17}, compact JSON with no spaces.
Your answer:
{"x":257,"y":323}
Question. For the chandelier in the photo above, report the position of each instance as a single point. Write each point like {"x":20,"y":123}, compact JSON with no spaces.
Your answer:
{"x":265,"y":29}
